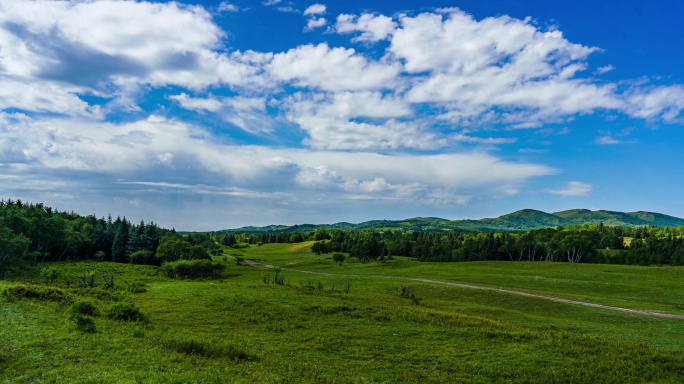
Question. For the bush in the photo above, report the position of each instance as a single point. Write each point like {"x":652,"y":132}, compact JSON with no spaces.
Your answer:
{"x":49,"y":275}
{"x":193,"y":269}
{"x":83,"y":323}
{"x":142,"y":257}
{"x":33,"y":292}
{"x":338,"y":258}
{"x":84,"y":307}
{"x":137,"y":287}
{"x":124,"y":311}
{"x":207,"y":349}
{"x":100,"y":256}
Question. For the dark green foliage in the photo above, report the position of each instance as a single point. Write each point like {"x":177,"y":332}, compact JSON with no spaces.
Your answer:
{"x":107,"y":279}
{"x":83,"y":323}
{"x":142,"y":257}
{"x":125,"y":312}
{"x":14,"y":247}
{"x":207,"y":349}
{"x":19,"y":292}
{"x":320,"y":247}
{"x":338,"y":258}
{"x":193,"y":269}
{"x":137,"y":287}
{"x":121,"y":237}
{"x":86,"y":279}
{"x":37,"y":233}
{"x":49,"y":275}
{"x":174,"y":247}
{"x":84,"y":307}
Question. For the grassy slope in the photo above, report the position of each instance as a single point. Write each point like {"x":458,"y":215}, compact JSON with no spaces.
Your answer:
{"x":293,"y":333}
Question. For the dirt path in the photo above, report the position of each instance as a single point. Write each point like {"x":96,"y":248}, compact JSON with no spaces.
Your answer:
{"x":482,"y":287}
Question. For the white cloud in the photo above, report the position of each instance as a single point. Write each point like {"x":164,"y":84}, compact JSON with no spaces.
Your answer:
{"x":314,"y":23}
{"x":332,"y":69}
{"x":248,"y":113}
{"x":663,"y":102}
{"x":481,"y":140}
{"x":316,"y":9}
{"x":604,"y":69}
{"x":269,"y":3}
{"x":189,"y":153}
{"x":572,"y":189}
{"x":335,"y":121}
{"x":289,"y":9}
{"x":197,"y":104}
{"x":44,"y":96}
{"x":372,"y":27}
{"x":225,"y":6}
{"x":607,"y":140}
{"x":499,"y":62}
{"x":106,"y":46}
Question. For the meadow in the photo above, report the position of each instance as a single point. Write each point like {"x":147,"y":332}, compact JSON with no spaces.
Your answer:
{"x":360,"y":323}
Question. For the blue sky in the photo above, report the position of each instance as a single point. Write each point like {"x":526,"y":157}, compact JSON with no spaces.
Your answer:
{"x":206,"y":115}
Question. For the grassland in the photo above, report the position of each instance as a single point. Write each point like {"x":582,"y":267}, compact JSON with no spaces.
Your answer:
{"x":240,"y":329}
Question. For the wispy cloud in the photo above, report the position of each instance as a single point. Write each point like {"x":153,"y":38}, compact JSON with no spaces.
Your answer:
{"x":605,"y":69}
{"x":572,"y":189}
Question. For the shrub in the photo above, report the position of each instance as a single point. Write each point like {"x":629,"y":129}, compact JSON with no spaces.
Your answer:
{"x":83,"y":323}
{"x":192,"y":269}
{"x":142,"y":257}
{"x":84,"y":307}
{"x":100,"y":256}
{"x":137,"y":287}
{"x":124,"y":311}
{"x":338,"y":258}
{"x":49,"y":275}
{"x":207,"y":349}
{"x":33,"y":292}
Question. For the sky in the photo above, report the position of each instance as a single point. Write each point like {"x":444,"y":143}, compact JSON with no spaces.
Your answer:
{"x":204,"y":115}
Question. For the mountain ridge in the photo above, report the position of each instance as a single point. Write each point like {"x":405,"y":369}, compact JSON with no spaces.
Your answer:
{"x":522,"y":220}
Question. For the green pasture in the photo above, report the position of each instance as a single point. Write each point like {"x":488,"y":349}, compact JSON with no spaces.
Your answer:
{"x":242,"y":328}
{"x":656,"y":288}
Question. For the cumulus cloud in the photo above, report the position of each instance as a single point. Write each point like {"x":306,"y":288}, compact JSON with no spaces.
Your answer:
{"x":332,"y":69}
{"x":498,"y":62}
{"x":372,"y":27}
{"x":88,"y":47}
{"x":572,"y":189}
{"x":314,"y":23}
{"x":315,"y":9}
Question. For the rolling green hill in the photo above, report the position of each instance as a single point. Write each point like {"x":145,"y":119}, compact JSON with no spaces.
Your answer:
{"x":517,"y":221}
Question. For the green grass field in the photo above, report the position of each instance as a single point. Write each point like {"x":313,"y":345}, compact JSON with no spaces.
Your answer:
{"x":239,"y":329}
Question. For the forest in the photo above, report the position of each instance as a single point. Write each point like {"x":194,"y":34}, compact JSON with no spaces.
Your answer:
{"x":36,"y":233}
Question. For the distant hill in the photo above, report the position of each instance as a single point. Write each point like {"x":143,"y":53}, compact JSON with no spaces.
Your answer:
{"x":517,"y":221}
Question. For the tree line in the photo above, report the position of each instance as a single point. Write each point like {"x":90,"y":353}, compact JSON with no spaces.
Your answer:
{"x":37,"y":233}
{"x":585,"y":243}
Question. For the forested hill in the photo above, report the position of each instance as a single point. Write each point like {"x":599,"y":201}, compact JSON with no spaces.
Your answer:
{"x":522,"y":220}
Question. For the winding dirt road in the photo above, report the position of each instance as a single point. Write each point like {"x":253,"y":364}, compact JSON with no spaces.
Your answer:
{"x":482,"y":287}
